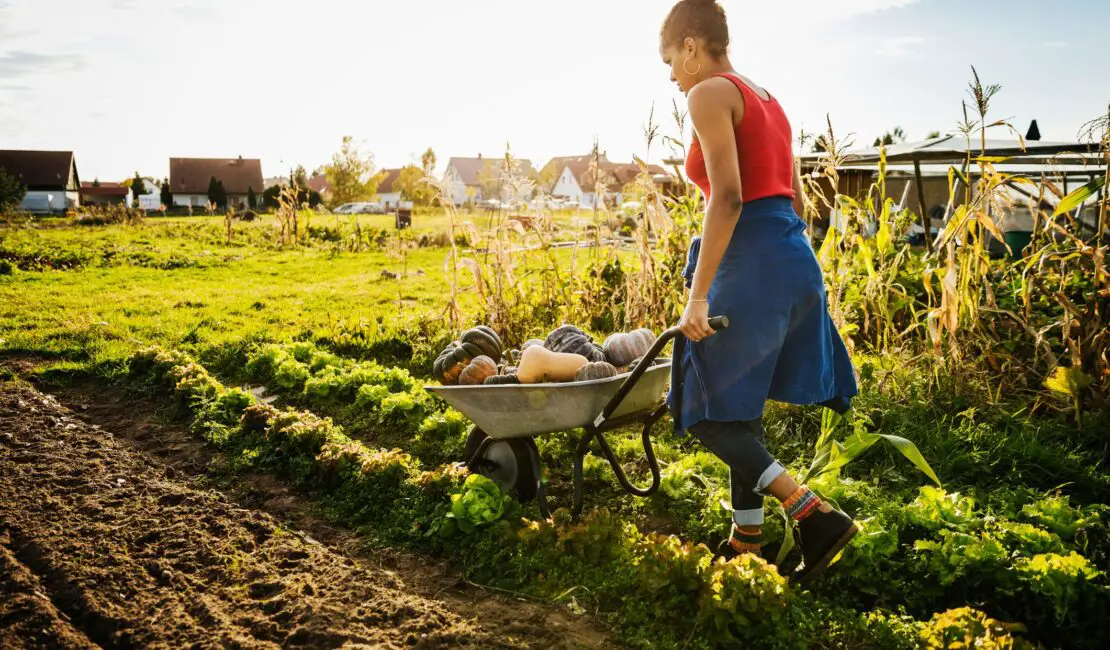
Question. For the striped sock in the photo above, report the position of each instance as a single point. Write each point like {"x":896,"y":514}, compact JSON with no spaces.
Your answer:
{"x":744,"y":542}
{"x":801,"y":504}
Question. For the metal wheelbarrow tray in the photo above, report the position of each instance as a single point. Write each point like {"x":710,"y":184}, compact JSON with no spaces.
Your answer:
{"x":507,"y":419}
{"x":526,"y":410}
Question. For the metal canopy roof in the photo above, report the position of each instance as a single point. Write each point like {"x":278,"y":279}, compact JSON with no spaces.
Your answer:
{"x":953,"y":150}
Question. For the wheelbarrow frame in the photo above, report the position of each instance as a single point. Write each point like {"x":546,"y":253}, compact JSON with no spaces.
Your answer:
{"x":603,"y":423}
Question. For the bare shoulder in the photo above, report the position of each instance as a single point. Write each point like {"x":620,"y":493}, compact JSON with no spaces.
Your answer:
{"x":712,"y":90}
{"x":715,"y":99}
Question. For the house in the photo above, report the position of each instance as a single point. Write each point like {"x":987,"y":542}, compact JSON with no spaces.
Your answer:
{"x":152,"y":200}
{"x":477,"y":179}
{"x":389,"y":194}
{"x":552,"y":170}
{"x":49,"y":176}
{"x":104,"y":193}
{"x":319,"y":183}
{"x":190,"y":178}
{"x":576,"y":182}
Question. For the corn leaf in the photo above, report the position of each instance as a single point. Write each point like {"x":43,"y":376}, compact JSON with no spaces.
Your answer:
{"x":1068,"y":381}
{"x":827,"y":246}
{"x":988,"y":223}
{"x":1077,"y":198}
{"x":883,"y":238}
{"x":849,"y":451}
{"x":912,"y":454}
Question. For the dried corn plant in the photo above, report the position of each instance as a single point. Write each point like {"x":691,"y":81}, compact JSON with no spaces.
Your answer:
{"x":442,"y":194}
{"x":287,"y":217}
{"x":229,"y":221}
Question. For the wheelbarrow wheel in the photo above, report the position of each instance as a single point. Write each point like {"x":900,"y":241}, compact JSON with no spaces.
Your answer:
{"x":505,"y":462}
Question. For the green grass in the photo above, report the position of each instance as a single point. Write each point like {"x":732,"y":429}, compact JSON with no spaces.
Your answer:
{"x":177,"y":283}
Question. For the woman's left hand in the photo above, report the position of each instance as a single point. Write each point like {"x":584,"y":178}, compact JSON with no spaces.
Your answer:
{"x":695,"y":321}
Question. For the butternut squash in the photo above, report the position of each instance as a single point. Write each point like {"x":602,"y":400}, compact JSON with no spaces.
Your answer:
{"x":539,"y":365}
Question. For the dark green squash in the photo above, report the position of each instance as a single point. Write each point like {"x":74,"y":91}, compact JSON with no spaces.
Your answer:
{"x":502,"y":380}
{"x":475,"y":342}
{"x":596,"y":370}
{"x":568,"y":339}
{"x":449,"y":364}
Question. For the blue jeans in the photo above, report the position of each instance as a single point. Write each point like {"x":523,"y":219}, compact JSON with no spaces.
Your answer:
{"x":751,"y":467}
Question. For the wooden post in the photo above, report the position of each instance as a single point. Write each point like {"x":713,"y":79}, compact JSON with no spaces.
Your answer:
{"x":925,"y":221}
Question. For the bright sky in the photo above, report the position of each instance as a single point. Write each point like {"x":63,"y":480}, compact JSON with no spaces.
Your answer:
{"x":127,"y":84}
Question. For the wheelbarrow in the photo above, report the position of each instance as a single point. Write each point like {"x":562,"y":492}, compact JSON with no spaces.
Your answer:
{"x":508,"y":418}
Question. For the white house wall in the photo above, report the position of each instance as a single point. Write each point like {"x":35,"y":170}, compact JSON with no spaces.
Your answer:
{"x":50,"y":201}
{"x":151,"y":201}
{"x":186,"y":200}
{"x":390,"y":199}
{"x":457,"y":190}
{"x":567,"y":187}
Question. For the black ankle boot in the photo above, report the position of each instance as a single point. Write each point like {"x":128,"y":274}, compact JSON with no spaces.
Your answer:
{"x":821,"y":536}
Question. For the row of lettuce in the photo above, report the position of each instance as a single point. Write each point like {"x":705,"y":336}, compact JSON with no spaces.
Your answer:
{"x":939,"y":549}
{"x":1026,"y":555}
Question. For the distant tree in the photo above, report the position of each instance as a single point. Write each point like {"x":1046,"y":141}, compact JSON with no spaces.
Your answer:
{"x":891,"y":137}
{"x":305,"y":197}
{"x":270,"y":197}
{"x":96,"y":182}
{"x":11,"y":191}
{"x":351,"y":174}
{"x":138,"y":188}
{"x":252,"y":200}
{"x":167,"y":196}
{"x":300,"y":178}
{"x":932,"y":134}
{"x":548,"y":176}
{"x":216,"y":193}
{"x":428,"y":162}
{"x":410,"y":183}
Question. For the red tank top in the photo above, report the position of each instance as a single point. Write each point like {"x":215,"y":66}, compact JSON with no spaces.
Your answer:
{"x":764,"y":145}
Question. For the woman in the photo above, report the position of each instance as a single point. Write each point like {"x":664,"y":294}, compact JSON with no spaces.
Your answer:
{"x":754,"y":264}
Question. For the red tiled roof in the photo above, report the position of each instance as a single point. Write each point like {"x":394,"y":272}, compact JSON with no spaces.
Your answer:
{"x":319,"y":183}
{"x":390,"y":178}
{"x":104,"y":189}
{"x":193,"y":175}
{"x":616,"y":175}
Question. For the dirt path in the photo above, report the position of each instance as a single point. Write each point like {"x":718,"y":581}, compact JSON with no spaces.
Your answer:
{"x":112,"y":540}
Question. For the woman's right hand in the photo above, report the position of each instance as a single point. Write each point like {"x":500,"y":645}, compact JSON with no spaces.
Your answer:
{"x":695,"y":320}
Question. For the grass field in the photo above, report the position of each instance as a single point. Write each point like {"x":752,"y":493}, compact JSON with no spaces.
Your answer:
{"x":1017,"y":527}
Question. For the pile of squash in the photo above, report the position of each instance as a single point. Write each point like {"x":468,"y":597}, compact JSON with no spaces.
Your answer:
{"x":567,"y":354}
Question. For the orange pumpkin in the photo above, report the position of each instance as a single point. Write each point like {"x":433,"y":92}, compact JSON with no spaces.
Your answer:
{"x":477,"y":371}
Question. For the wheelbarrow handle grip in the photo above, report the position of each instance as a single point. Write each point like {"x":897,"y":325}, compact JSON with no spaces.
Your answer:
{"x":717,"y":323}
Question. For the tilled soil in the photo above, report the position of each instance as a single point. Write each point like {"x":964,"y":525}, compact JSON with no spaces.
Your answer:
{"x":103,"y":545}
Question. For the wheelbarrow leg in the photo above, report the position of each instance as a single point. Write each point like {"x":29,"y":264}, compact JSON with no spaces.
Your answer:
{"x":649,"y":453}
{"x":541,"y":493}
{"x":580,"y":452}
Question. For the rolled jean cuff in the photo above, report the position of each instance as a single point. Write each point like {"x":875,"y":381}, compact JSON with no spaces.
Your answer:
{"x":748,"y":517}
{"x":767,"y":477}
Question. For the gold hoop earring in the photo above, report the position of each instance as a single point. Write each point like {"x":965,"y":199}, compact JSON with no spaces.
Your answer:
{"x":684,"y":69}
